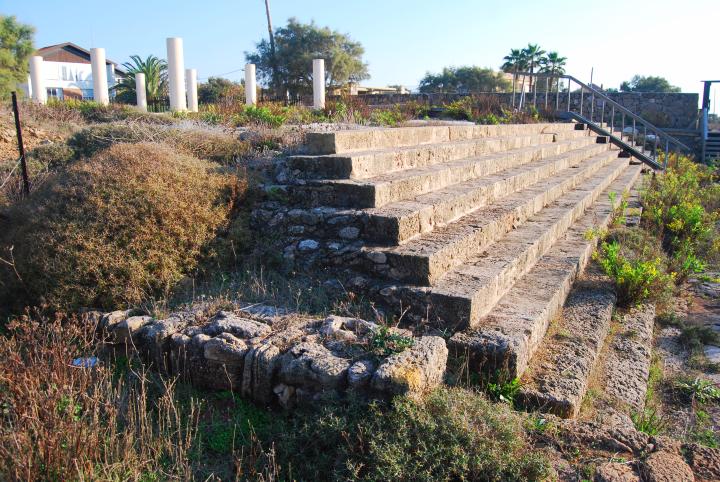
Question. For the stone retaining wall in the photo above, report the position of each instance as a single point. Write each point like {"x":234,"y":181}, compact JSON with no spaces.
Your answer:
{"x":280,"y":359}
{"x":673,"y":110}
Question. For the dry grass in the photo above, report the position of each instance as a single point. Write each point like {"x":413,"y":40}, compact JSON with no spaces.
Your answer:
{"x":115,"y":229}
{"x":213,"y":146}
{"x":63,"y":422}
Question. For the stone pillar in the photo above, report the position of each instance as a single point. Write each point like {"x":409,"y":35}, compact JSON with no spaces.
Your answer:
{"x":99,"y":74}
{"x":140,"y":91}
{"x":319,"y":83}
{"x":176,"y":68}
{"x":192,"y":94}
{"x":250,"y":85}
{"x":37,"y":80}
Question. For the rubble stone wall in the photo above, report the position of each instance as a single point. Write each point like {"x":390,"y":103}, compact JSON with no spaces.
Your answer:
{"x":279,"y":359}
{"x":673,"y":110}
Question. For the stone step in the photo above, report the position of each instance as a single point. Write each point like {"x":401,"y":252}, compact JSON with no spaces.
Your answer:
{"x":398,"y":186}
{"x":426,"y":259}
{"x":366,"y":164}
{"x":507,"y":337}
{"x":469,"y":291}
{"x":397,"y":223}
{"x":559,"y":372}
{"x":354,"y":140}
{"x":626,"y":362}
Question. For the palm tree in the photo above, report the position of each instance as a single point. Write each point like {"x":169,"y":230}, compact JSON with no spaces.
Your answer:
{"x":515,"y":62}
{"x":534,"y":55}
{"x":554,"y":65}
{"x":156,"y":81}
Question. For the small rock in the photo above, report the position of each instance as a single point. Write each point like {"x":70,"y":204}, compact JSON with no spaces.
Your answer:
{"x":225,"y":322}
{"x":705,"y":461}
{"x":414,"y":371}
{"x":109,"y":320}
{"x":349,"y":232}
{"x":308,"y":245}
{"x":334,"y":327}
{"x":377,"y":257}
{"x":313,"y":365}
{"x":297,"y":229}
{"x":615,"y":472}
{"x":359,"y":373}
{"x":667,"y":467}
{"x":712,"y":353}
{"x":358,"y":282}
{"x":284,"y":394}
{"x":126,"y":329}
{"x":228,"y":349}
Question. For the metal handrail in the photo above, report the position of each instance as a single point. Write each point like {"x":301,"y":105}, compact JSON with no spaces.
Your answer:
{"x":616,"y":108}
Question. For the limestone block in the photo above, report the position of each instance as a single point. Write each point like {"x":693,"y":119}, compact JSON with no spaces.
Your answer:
{"x":124,"y":331}
{"x":414,"y":371}
{"x":225,"y":322}
{"x":313,"y":365}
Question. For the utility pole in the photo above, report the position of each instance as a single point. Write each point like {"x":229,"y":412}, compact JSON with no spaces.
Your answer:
{"x":21,"y":147}
{"x":273,"y":57}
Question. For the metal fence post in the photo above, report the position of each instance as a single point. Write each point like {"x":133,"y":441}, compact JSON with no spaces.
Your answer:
{"x":21,"y":147}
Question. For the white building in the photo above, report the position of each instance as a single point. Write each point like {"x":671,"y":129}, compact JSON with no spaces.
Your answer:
{"x":67,"y":73}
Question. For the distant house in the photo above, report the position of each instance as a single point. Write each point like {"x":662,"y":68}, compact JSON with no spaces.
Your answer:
{"x":352,"y":88}
{"x":68,"y":74}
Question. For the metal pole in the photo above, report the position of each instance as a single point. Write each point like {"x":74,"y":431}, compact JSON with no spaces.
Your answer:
{"x":513,"y":93}
{"x":569,"y":82}
{"x":546,"y":90}
{"x":634,"y":138}
{"x":582,"y":92}
{"x":21,"y":147}
{"x":602,"y":115}
{"x":557,"y":95}
{"x":592,"y":97}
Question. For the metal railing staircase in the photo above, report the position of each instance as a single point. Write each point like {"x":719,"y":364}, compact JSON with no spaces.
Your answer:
{"x":630,"y":132}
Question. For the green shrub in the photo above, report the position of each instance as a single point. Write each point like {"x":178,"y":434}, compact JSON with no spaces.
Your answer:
{"x":91,"y":111}
{"x":648,"y":421}
{"x":387,"y":117}
{"x":385,"y":342}
{"x":699,"y":390}
{"x":636,"y":277}
{"x":259,"y":115}
{"x":681,"y":207}
{"x":113,"y":230}
{"x":453,"y":434}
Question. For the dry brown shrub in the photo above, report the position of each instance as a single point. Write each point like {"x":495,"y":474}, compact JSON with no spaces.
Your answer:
{"x":212,"y":146}
{"x":114,"y":230}
{"x":66,"y":422}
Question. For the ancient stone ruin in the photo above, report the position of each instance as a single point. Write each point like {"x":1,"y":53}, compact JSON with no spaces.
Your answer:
{"x":278,"y":359}
{"x":476,"y":232}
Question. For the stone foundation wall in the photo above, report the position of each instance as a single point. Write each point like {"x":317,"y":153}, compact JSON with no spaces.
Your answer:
{"x":274,"y":358}
{"x":673,"y":110}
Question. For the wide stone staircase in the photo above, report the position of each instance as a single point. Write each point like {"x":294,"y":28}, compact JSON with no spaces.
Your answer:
{"x":476,"y":231}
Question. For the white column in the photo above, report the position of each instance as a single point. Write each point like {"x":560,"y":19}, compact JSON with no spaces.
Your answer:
{"x":192,"y":96}
{"x":37,"y":80}
{"x":319,"y":83}
{"x":176,"y":68}
{"x":140,"y":92}
{"x":99,"y":74}
{"x":250,"y":85}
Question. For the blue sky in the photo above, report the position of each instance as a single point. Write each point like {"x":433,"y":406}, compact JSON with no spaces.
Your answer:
{"x":403,"y":39}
